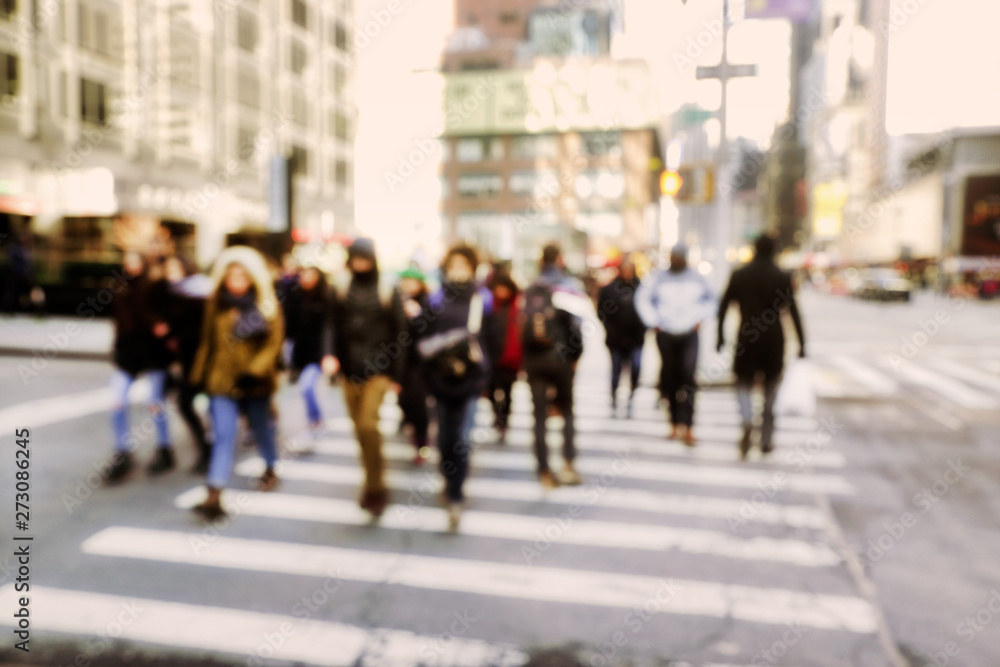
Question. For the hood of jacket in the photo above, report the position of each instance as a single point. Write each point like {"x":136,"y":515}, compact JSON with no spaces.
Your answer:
{"x":253,"y":262}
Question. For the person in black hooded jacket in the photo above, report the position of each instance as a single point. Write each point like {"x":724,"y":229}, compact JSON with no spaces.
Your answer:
{"x":457,"y":380}
{"x":625,"y":330}
{"x":369,"y":334}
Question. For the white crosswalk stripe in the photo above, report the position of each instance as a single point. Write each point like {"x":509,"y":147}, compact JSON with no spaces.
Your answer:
{"x":526,"y":582}
{"x":425,"y":485}
{"x":251,"y":635}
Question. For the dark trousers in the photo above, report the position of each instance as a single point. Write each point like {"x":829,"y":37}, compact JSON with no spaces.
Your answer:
{"x":551,"y":373}
{"x":455,"y":421}
{"x":185,"y":405}
{"x":743,"y":387}
{"x":621,"y":356}
{"x":679,"y":355}
{"x":413,"y":403}
{"x":501,"y":384}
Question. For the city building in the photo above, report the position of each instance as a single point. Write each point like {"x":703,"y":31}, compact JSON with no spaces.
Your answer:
{"x":546,"y":137}
{"x":198,"y":113}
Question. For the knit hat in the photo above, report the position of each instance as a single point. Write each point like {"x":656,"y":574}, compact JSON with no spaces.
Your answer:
{"x":414,"y":273}
{"x":362,"y":247}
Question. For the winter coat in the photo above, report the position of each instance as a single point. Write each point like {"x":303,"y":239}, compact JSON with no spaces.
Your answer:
{"x":370,"y":331}
{"x":138,"y":307}
{"x":230,"y":360}
{"x":307,"y":324}
{"x":763,"y":292}
{"x":184,"y":311}
{"x":616,"y":308}
{"x":507,"y":337}
{"x":449,"y":310}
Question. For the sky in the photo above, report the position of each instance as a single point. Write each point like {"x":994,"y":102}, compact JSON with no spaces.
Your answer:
{"x":943,"y":72}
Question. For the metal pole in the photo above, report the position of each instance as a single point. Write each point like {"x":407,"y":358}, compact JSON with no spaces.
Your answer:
{"x":722,"y":222}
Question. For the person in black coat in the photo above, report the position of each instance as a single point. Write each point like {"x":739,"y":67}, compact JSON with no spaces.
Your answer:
{"x":139,"y":348}
{"x":306,"y":310}
{"x":369,"y":334}
{"x":184,"y":311}
{"x":625,"y":330}
{"x":763,"y":292}
{"x":457,"y":380}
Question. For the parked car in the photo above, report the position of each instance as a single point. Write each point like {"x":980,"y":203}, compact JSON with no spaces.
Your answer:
{"x":883,"y":285}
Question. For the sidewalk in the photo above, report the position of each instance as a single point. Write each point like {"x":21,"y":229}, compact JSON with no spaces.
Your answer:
{"x":66,"y":337}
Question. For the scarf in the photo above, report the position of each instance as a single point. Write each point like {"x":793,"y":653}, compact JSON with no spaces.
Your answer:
{"x":251,"y":323}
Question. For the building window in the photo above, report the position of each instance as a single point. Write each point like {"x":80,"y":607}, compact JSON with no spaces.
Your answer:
{"x":93,"y":30}
{"x":246,"y":31}
{"x":248,"y":87}
{"x":479,"y":149}
{"x":93,"y":102}
{"x":340,"y":36}
{"x":299,"y":163}
{"x":534,"y":146}
{"x":298,"y":58}
{"x":339,"y":79}
{"x":246,"y":148}
{"x":341,"y":127}
{"x":509,"y":17}
{"x":299,"y":108}
{"x":8,"y":75}
{"x":601,"y":144}
{"x":342,"y":173}
{"x":480,"y":186}
{"x":7,"y":8}
{"x":534,"y":184}
{"x":300,"y":13}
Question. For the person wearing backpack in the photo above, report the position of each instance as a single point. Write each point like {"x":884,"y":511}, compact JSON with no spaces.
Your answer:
{"x":456,"y":347}
{"x":552,"y":343}
{"x":675,"y":302}
{"x":369,"y":333}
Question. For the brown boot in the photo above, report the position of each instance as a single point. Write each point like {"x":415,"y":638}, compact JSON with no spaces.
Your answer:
{"x":211,"y":507}
{"x":375,"y":502}
{"x":268,"y":481}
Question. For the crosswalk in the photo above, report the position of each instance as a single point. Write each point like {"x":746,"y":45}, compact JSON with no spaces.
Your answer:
{"x":960,"y":381}
{"x":661,"y":543}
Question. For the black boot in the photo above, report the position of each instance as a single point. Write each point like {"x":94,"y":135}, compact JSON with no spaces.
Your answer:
{"x":163,"y":461}
{"x":745,"y":442}
{"x":121,"y":465}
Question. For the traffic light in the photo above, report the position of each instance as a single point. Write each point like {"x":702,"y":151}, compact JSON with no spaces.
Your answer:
{"x":671,"y":183}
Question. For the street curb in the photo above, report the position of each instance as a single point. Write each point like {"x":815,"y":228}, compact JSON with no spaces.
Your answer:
{"x":79,"y":355}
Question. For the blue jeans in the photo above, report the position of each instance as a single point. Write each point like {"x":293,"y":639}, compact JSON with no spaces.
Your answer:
{"x":120,"y":383}
{"x":225,"y":421}
{"x":619,"y":356}
{"x":307,"y":385}
{"x":455,"y":420}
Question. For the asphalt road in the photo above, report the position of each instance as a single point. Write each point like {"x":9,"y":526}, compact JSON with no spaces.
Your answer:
{"x":868,"y":538}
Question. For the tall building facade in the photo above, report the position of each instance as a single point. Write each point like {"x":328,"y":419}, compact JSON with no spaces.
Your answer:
{"x":546,"y":136}
{"x":186,"y":111}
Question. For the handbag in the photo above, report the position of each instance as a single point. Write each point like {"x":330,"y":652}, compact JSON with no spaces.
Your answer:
{"x":454,"y":354}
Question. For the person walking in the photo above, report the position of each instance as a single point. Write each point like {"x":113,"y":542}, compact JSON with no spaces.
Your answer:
{"x":763,"y":292}
{"x":413,"y":392}
{"x":510,"y":356}
{"x":552,"y":340}
{"x":674,"y":302}
{"x":139,"y":349}
{"x":307,"y":311}
{"x":369,"y":332}
{"x":186,"y":293}
{"x":237,"y":364}
{"x":457,"y":348}
{"x":626,"y":332}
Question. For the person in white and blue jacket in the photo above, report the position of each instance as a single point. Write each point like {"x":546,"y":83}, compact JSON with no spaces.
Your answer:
{"x":674,"y":302}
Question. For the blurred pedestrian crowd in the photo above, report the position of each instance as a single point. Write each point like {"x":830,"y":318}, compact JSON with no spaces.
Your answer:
{"x":439,"y":342}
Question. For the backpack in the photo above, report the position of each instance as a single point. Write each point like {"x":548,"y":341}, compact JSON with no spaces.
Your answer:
{"x":543,"y":329}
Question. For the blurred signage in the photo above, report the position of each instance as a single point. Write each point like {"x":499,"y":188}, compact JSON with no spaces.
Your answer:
{"x":551,"y":97}
{"x":696,"y":184}
{"x":797,"y":11}
{"x":828,"y":203}
{"x":981,"y":216}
